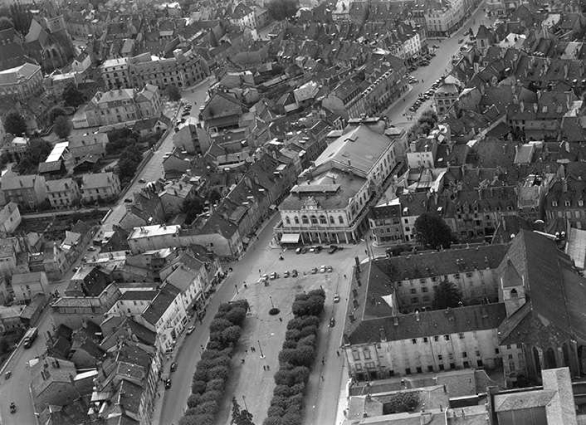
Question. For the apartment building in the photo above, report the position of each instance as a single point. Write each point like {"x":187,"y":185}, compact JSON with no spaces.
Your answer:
{"x":63,"y":193}
{"x":100,"y":186}
{"x":21,"y":82}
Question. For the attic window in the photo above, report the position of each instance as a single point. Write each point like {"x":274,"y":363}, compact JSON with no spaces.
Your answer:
{"x":544,"y":109}
{"x":580,"y":203}
{"x":554,"y":203}
{"x":567,"y":203}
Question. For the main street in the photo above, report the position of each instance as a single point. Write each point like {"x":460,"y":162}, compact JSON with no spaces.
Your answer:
{"x":17,"y":388}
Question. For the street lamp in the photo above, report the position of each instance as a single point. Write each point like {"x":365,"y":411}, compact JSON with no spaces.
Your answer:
{"x":262,"y":356}
{"x":271,"y":299}
{"x":244,"y":401}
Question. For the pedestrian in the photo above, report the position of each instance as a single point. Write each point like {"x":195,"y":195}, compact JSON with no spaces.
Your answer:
{"x":322,"y":377}
{"x":280,"y":319}
{"x":245,"y":286}
{"x":246,"y":351}
{"x":268,"y":367}
{"x":323,"y":360}
{"x":243,"y":361}
{"x":259,"y":272}
{"x":345,"y":277}
{"x":338,"y":353}
{"x":202,"y":347}
{"x":252,"y":349}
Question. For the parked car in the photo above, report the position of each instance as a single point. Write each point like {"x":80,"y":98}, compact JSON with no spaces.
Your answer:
{"x":336,"y":298}
{"x":173,"y":366}
{"x":460,"y":41}
{"x":314,"y":270}
{"x":167,"y":383}
{"x":274,"y":275}
{"x":333,"y":248}
{"x":128,"y":200}
{"x":322,"y":269}
{"x":190,"y":330}
{"x":332,"y":322}
{"x":329,"y":269}
{"x":286,"y":274}
{"x":141,"y":181}
{"x":294,"y":273}
{"x":299,"y":250}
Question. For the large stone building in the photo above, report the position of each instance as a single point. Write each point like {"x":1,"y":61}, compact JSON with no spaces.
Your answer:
{"x":521,"y":311}
{"x":120,"y":106}
{"x":21,"y":82}
{"x":184,"y":69}
{"x":330,"y":203}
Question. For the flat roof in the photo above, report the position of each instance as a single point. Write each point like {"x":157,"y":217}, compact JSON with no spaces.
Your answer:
{"x":156,"y":230}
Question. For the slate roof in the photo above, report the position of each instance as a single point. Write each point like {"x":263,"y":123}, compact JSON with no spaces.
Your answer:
{"x":556,"y":292}
{"x":160,"y":304}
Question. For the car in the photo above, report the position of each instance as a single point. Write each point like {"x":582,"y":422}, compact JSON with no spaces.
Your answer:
{"x":190,"y":330}
{"x":141,"y":180}
{"x":412,"y":109}
{"x":314,"y":270}
{"x":432,"y":54}
{"x":91,"y":248}
{"x":332,"y":322}
{"x":318,"y":249}
{"x":294,"y":273}
{"x":185,"y":114}
{"x":298,"y":250}
{"x":329,"y":269}
{"x":460,"y":41}
{"x":128,"y":200}
{"x":287,"y":273}
{"x":173,"y":367}
{"x":274,"y":275}
{"x":167,"y":383}
{"x":322,"y":269}
{"x":333,"y":248}
{"x":336,"y":298}
{"x":435,"y":46}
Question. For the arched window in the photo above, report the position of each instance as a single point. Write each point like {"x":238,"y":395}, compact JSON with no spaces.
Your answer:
{"x":332,"y":220}
{"x":341,"y":219}
{"x":304,"y":219}
{"x":287,"y":220}
{"x":296,"y":220}
{"x":514,"y":293}
{"x":322,"y":219}
{"x":313,"y":219}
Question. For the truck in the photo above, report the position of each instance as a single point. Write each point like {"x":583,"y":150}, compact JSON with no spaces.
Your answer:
{"x":29,"y":337}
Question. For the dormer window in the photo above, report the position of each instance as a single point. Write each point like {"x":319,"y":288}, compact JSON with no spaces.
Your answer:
{"x":544,"y":109}
{"x":580,"y":203}
{"x":554,"y":203}
{"x":567,"y":203}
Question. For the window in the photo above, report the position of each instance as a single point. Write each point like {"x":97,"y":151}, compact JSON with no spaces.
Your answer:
{"x":464,"y":354}
{"x":419,"y":370}
{"x":356,"y":355}
{"x":424,"y":289}
{"x":461,"y":335}
{"x":447,"y":337}
{"x":440,"y":357}
{"x":304,"y":219}
{"x":479,"y":363}
{"x":366,"y":353}
{"x":340,"y":219}
{"x":414,"y":341}
{"x":358,"y":366}
{"x":287,"y":220}
{"x":296,"y":220}
{"x":477,"y":353}
{"x":452,"y":365}
{"x":496,"y":351}
{"x":413,"y":290}
{"x":425,"y":339}
{"x":436,"y":338}
{"x":414,"y":300}
{"x":313,"y":219}
{"x":369,"y":365}
{"x":332,"y":221}
{"x":430,"y":368}
{"x":408,"y":371}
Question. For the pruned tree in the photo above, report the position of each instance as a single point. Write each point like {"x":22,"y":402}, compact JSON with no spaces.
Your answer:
{"x":15,"y":124}
{"x":72,"y":96}
{"x":447,"y":294}
{"x":282,"y":9}
{"x":432,"y":231}
{"x":173,"y":93}
{"x":62,"y":126}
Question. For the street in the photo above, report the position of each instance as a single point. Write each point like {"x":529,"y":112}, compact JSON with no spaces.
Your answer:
{"x":267,"y":332}
{"x":154,"y":168}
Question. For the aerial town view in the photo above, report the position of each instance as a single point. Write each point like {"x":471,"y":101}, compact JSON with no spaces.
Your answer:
{"x":292,"y":212}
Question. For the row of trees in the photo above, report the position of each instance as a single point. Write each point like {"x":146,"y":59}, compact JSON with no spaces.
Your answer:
{"x":296,"y":358}
{"x":213,"y":370}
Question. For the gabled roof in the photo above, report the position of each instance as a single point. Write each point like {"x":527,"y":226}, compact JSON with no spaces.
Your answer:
{"x":160,"y":304}
{"x":222,"y":105}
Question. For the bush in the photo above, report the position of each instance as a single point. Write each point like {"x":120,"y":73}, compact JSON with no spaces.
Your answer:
{"x":222,"y":360}
{"x":291,"y":419}
{"x":193,"y":400}
{"x":303,"y":356}
{"x":309,"y":340}
{"x":309,"y":321}
{"x":197,"y":420}
{"x":295,"y":323}
{"x":292,"y":335}
{"x":211,"y":396}
{"x":289,"y":344}
{"x":198,"y":387}
{"x":299,"y":375}
{"x":218,"y":325}
{"x":282,"y":402}
{"x":401,"y":402}
{"x":284,"y":377}
{"x":298,"y":388}
{"x":232,"y":334}
{"x":236,"y":315}
{"x":308,"y":331}
{"x":282,"y":391}
{"x":216,"y":385}
{"x":208,"y":407}
{"x":275,"y":411}
{"x":272,"y":420}
{"x":201,"y":373}
{"x":219,"y":372}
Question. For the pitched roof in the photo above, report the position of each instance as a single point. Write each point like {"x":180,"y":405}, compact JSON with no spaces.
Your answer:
{"x":555,"y":290}
{"x":98,"y":180}
{"x":160,"y":304}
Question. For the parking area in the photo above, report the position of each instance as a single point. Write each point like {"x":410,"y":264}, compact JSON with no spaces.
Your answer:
{"x":256,"y":358}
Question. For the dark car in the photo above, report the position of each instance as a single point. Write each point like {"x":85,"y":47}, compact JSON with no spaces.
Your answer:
{"x":128,"y":200}
{"x":294,"y":273}
{"x":332,"y":322}
{"x":167,"y":383}
{"x":173,"y":366}
{"x":333,"y":248}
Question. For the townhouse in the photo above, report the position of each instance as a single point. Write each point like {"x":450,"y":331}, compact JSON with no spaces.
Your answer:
{"x":63,"y":193}
{"x":83,"y":145}
{"x":22,"y":82}
{"x":10,"y":218}
{"x":27,"y":191}
{"x":99,"y":186}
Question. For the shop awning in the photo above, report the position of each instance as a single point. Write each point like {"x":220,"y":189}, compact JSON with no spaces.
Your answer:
{"x":290,"y":238}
